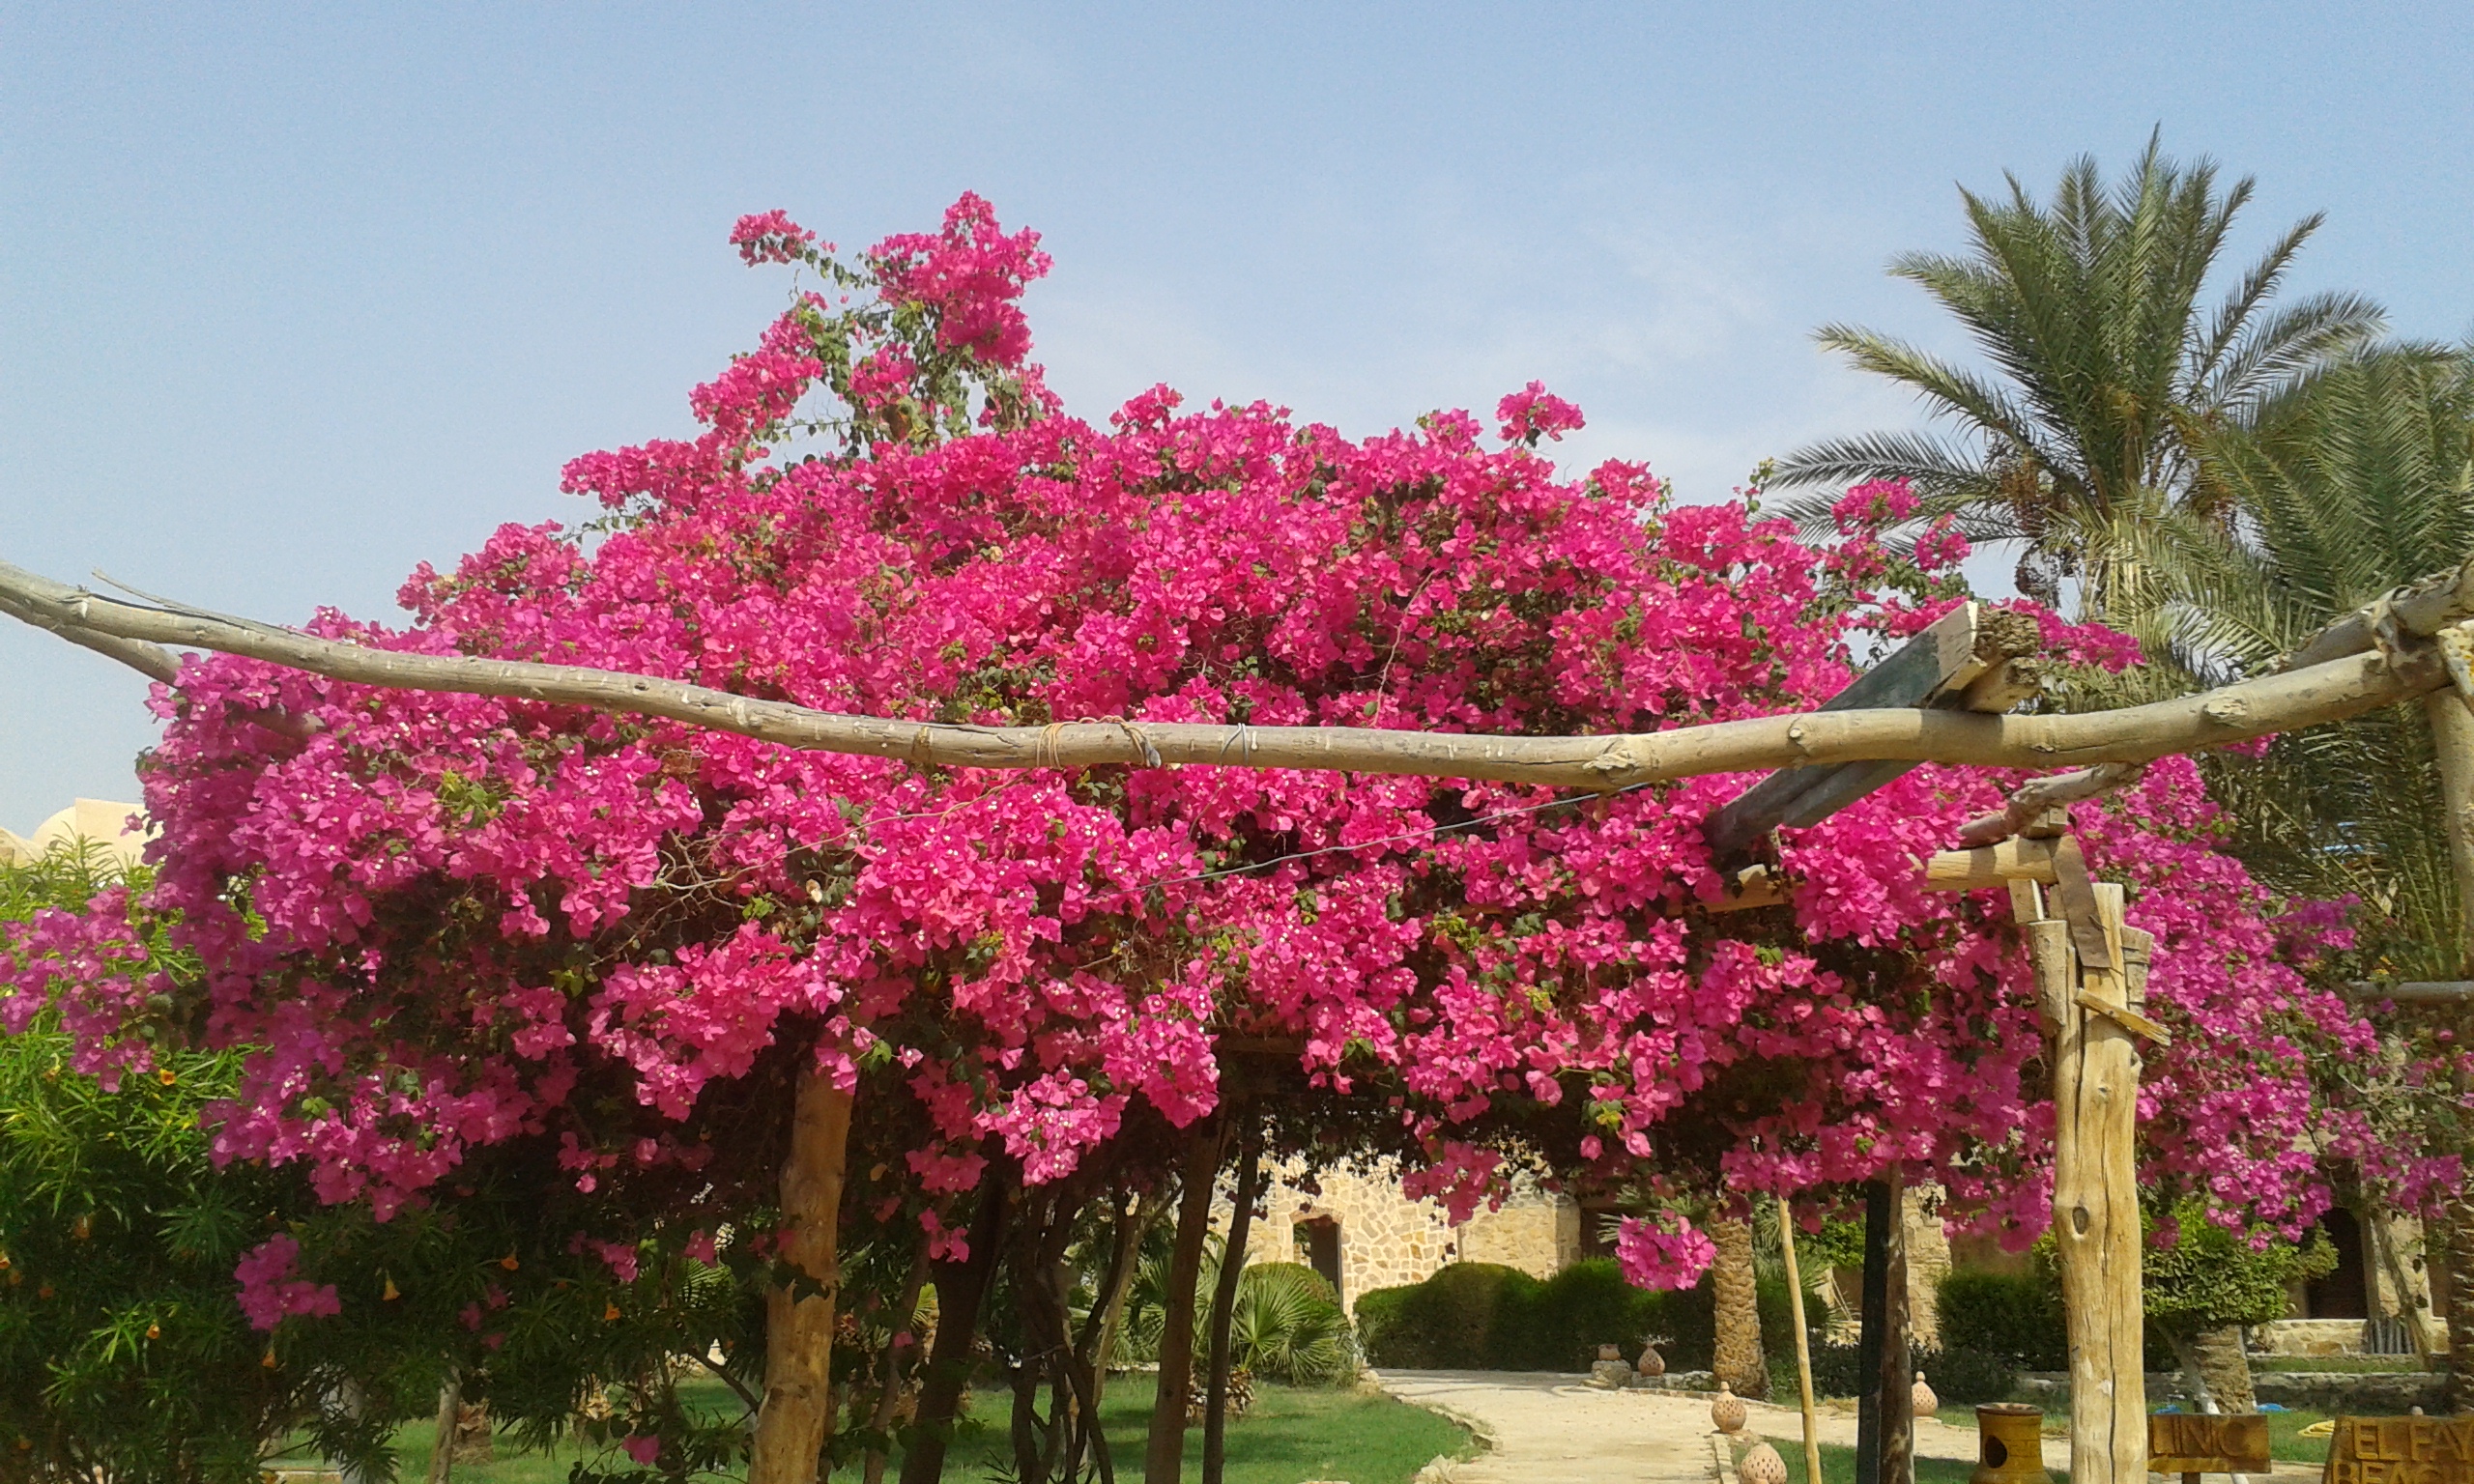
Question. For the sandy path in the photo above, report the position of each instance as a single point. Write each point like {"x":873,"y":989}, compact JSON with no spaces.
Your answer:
{"x":1559,"y":1428}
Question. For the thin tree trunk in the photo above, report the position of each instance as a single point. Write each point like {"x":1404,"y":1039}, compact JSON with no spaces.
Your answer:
{"x":2452,"y":727}
{"x":1099,"y":1335}
{"x":450,"y":1411}
{"x":1739,"y":1359}
{"x":797,"y":1414}
{"x":1223,"y":1311}
{"x":1163,"y":1454}
{"x":961,"y":1288}
{"x":889,"y":1398}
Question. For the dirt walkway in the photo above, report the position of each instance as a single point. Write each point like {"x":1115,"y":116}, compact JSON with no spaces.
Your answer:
{"x":1559,"y":1428}
{"x":1549,"y":1429}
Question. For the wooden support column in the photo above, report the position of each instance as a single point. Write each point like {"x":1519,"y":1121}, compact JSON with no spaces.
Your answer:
{"x":797,"y":1415}
{"x":2096,"y":1064}
{"x":2452,"y":727}
{"x":1885,"y":1419}
{"x":1803,"y":1341}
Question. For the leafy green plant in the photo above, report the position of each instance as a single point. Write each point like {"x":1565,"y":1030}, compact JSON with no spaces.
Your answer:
{"x":1287,"y":1326}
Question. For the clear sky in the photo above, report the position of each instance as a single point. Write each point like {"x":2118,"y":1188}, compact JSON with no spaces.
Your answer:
{"x":292,"y":299}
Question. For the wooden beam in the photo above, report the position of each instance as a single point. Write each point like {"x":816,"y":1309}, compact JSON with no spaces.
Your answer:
{"x":1986,"y":866}
{"x":2419,"y":609}
{"x":2282,"y":703}
{"x":2445,"y":992}
{"x":1909,"y":675}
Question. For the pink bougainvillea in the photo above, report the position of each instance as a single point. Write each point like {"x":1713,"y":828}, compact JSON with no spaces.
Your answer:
{"x":451,"y":921}
{"x":269,"y":1291}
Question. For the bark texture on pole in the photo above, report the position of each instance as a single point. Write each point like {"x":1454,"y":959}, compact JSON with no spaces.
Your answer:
{"x":1738,"y":1358}
{"x":2347,"y":685}
{"x":450,"y":1411}
{"x":2095,"y":1203}
{"x":797,"y":1414}
{"x":1164,"y":1453}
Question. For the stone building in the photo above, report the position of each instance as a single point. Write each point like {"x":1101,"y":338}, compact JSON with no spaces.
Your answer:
{"x":1360,"y":1232}
{"x":95,"y":819}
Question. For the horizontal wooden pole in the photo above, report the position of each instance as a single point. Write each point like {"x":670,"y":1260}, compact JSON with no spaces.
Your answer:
{"x":2443,"y":991}
{"x":1995,"y":865}
{"x":2421,"y":609}
{"x":2280,"y":703}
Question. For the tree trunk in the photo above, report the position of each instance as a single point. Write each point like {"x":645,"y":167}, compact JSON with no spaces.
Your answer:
{"x":1738,"y":1363}
{"x":450,"y":1411}
{"x":1223,"y":1312}
{"x":1163,"y":1454}
{"x":797,"y":1412}
{"x":960,"y":1289}
{"x":2216,"y":1353}
{"x":898,"y":1322}
{"x":1099,"y":1330}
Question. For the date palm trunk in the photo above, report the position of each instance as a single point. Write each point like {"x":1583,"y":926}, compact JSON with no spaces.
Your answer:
{"x":1740,"y":1364}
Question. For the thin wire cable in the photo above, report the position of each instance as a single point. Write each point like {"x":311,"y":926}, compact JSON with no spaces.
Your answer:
{"x":1390,"y":840}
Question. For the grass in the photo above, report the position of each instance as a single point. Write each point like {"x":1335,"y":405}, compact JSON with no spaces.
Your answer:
{"x":1838,"y":1465}
{"x":2359,"y":1363}
{"x":1292,"y":1433}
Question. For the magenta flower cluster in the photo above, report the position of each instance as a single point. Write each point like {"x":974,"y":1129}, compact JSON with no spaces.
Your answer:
{"x":436,"y":916}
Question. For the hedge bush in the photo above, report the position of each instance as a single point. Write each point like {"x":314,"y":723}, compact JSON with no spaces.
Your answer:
{"x":1958,"y":1374}
{"x":1482,"y":1315}
{"x":2017,"y":1316}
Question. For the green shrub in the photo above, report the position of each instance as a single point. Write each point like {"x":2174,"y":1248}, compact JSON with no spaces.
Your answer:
{"x":1287,"y":1326}
{"x":1379,"y":1336}
{"x":1961,"y":1374}
{"x":1957,"y":1374}
{"x":1469,"y":1314}
{"x":1578,"y":1309}
{"x":2016,"y":1316}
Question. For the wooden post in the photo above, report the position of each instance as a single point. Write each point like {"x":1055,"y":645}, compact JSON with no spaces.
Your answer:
{"x":1164,"y":1453}
{"x":2453,"y":741}
{"x":1884,"y":1421}
{"x":1803,"y":1341}
{"x":2095,"y":1201}
{"x":796,"y":1414}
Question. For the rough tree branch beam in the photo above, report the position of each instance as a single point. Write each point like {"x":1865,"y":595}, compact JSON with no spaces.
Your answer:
{"x":2342,"y":687}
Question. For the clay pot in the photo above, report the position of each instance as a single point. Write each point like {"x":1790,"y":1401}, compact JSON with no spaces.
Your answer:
{"x":1761,"y":1466}
{"x":1926,"y":1403}
{"x":1651,"y":1363}
{"x":1610,"y":1351}
{"x":1726,"y":1410}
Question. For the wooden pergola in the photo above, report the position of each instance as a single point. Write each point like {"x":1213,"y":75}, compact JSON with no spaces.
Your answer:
{"x":1944,"y":697}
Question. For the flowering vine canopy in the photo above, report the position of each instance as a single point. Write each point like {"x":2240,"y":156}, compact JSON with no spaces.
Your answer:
{"x":446,"y":921}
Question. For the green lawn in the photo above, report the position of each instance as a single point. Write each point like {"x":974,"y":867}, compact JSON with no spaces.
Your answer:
{"x":1838,"y":1465}
{"x":1292,"y":1433}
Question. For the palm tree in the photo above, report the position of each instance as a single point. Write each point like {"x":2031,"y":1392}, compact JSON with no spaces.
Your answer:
{"x":2105,"y":367}
{"x":2348,"y":486}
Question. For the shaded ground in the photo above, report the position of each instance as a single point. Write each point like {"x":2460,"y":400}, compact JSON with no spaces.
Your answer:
{"x":1292,"y":1435}
{"x":1550,"y":1427}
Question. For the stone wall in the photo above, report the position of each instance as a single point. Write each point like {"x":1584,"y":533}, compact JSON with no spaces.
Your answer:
{"x":1386,"y":1240}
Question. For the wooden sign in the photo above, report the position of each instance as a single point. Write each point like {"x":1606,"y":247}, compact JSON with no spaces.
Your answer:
{"x":2190,"y":1442}
{"x":2401,"y":1451}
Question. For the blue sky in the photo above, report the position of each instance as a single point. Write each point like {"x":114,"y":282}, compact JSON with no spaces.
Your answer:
{"x":293,"y":299}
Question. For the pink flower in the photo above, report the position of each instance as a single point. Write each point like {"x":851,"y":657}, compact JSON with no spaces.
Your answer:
{"x":1534,"y":413}
{"x":642,"y":1449}
{"x":269,"y":1291}
{"x":770,"y":237}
